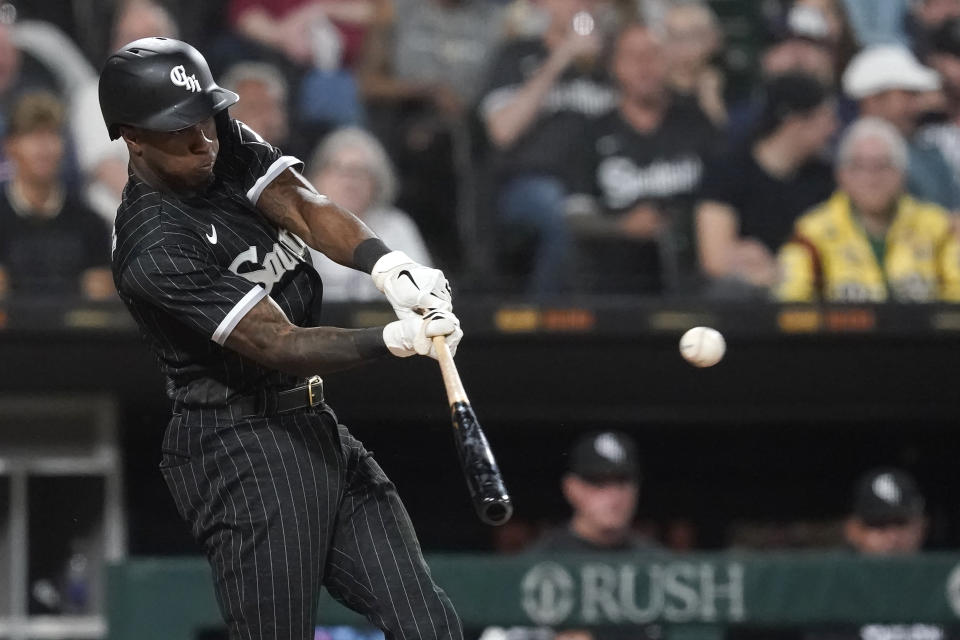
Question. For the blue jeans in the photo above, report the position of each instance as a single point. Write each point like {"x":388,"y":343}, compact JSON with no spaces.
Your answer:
{"x":536,"y":203}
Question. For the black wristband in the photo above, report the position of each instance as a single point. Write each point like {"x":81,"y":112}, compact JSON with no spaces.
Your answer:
{"x":368,"y":252}
{"x":369,"y":342}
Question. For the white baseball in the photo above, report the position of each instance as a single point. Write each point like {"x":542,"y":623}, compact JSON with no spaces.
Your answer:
{"x":702,"y":346}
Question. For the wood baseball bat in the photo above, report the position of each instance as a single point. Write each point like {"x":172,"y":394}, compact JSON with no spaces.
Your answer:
{"x":487,"y":490}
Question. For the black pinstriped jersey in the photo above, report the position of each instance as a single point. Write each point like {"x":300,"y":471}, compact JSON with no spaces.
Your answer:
{"x":189,"y":268}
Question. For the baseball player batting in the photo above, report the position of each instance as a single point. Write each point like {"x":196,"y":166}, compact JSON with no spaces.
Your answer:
{"x":209,"y":256}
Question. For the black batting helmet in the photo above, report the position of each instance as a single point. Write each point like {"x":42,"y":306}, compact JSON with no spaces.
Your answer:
{"x":159,"y":84}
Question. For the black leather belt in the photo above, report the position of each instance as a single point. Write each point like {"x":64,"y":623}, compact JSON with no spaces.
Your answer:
{"x":304,"y":396}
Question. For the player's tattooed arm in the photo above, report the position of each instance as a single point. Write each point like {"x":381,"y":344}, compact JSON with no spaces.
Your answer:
{"x":291,"y":202}
{"x":265,"y":335}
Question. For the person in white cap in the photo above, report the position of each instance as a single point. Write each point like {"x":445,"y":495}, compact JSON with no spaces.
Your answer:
{"x":888,"y":82}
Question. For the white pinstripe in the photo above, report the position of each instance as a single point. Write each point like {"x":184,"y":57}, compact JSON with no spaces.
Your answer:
{"x":236,"y":515}
{"x":413,"y":614}
{"x":263,"y":507}
{"x":256,"y":568}
{"x":283,"y":530}
{"x":314,"y":560}
{"x":376,"y":553}
{"x":416,"y":573}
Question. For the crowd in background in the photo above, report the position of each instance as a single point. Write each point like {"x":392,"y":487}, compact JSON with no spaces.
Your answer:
{"x":537,"y":147}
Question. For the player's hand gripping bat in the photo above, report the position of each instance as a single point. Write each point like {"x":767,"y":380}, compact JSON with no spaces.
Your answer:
{"x":490,"y":497}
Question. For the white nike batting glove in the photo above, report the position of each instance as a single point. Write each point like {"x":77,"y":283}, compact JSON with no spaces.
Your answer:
{"x":411,"y":288}
{"x":414,"y":335}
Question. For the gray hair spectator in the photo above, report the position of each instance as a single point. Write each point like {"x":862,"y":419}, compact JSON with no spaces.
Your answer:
{"x":351,"y":167}
{"x":263,"y":99}
{"x":876,"y":129}
{"x":889,"y":83}
{"x":870,"y":242}
{"x":376,"y":162}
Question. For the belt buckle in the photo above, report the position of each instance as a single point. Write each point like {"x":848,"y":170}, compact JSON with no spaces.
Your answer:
{"x":315,"y":381}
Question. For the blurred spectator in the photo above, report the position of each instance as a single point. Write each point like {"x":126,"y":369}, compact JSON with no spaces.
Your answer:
{"x":300,"y":28}
{"x":652,"y":12}
{"x":104,"y":161}
{"x":19,"y":73}
{"x":888,"y":518}
{"x":878,"y":22}
{"x":643,"y":162}
{"x":602,"y":487}
{"x":56,"y":55}
{"x":802,"y":41}
{"x":924,"y":18}
{"x":540,"y":92}
{"x":352,"y":168}
{"x":433,"y":51}
{"x":888,"y":515}
{"x":839,"y":34}
{"x":420,"y":76}
{"x":870,"y":242}
{"x":50,"y":243}
{"x":263,"y":100}
{"x":692,"y":39}
{"x":317,"y":44}
{"x":751,"y":198}
{"x":800,"y":45}
{"x":889,"y":83}
{"x":944,"y":57}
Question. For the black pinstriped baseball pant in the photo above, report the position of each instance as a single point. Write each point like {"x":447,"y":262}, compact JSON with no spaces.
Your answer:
{"x":284,"y":504}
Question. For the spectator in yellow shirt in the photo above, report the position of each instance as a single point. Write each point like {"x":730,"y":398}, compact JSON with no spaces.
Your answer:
{"x":871,"y":242}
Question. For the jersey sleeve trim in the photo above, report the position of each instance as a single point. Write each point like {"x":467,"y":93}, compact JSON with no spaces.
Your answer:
{"x":279,"y":165}
{"x":236,"y":314}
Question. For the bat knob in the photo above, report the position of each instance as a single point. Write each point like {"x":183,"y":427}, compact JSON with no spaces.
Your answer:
{"x":496,"y":512}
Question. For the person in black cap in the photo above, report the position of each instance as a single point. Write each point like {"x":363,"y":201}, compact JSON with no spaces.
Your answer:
{"x":888,"y":514}
{"x":602,"y":486}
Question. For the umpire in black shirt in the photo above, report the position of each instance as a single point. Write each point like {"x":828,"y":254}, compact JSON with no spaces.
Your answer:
{"x":210,"y":256}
